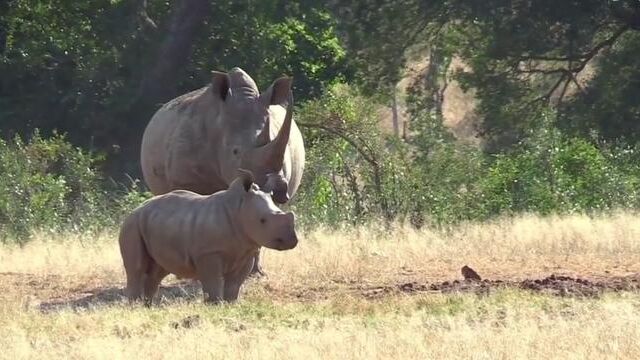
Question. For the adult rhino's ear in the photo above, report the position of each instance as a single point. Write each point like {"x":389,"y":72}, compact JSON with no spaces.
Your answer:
{"x":278,"y":92}
{"x":243,"y":181}
{"x":220,"y":84}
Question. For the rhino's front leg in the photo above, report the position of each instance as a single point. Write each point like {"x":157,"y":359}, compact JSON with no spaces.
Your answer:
{"x":209,"y":269}
{"x":233,"y":282}
{"x":256,"y":269}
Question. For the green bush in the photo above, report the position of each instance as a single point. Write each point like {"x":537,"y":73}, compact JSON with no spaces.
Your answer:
{"x":445,"y":173}
{"x":550,"y":172}
{"x":47,"y":184}
{"x":355,"y":173}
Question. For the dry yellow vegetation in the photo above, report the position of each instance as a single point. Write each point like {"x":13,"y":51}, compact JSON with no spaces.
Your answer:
{"x":60,"y":297}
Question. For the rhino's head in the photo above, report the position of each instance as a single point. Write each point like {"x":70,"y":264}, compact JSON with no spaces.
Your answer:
{"x":246,"y":117}
{"x":259,"y":218}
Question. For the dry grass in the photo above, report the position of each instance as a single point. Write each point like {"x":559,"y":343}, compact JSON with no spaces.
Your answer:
{"x":307,"y":306}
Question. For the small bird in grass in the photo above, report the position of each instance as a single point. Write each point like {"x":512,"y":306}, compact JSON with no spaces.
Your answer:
{"x":470,"y":274}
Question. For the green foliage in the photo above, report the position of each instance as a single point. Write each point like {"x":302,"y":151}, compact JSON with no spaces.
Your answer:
{"x":50,"y":185}
{"x":433,"y":179}
{"x":523,"y":56}
{"x":379,"y":33}
{"x":78,"y":66}
{"x":301,"y":42}
{"x":551,"y":145}
{"x":354,"y":172}
{"x":551,"y":172}
{"x":609,"y":106}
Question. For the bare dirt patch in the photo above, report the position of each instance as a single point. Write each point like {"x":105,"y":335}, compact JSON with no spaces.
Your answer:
{"x":50,"y":293}
{"x":552,"y":285}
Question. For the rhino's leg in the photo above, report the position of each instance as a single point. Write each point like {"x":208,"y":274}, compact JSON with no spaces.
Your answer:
{"x":256,"y":270}
{"x":154,"y":277}
{"x":233,"y":282}
{"x":209,"y":269}
{"x":135,"y":280}
{"x":135,"y":259}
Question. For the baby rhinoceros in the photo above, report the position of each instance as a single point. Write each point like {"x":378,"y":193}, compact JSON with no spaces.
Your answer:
{"x":210,"y":238}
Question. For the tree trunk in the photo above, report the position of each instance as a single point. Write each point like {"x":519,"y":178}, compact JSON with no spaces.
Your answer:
{"x":4,"y":8}
{"x":394,"y":111}
{"x":160,"y":83}
{"x":382,"y":199}
{"x":432,"y":83}
{"x":352,"y":182}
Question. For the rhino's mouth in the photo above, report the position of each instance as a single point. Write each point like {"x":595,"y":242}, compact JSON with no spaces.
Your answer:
{"x":280,"y":197}
{"x":277,"y":185}
{"x":282,"y":244}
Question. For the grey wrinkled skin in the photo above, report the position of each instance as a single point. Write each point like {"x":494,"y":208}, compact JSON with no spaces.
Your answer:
{"x":197,"y":141}
{"x":211,"y":238}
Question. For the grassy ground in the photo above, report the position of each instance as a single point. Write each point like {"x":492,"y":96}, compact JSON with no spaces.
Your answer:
{"x":60,"y":298}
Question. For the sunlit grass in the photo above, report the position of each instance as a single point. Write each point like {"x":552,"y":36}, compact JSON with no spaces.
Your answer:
{"x":507,"y":324}
{"x":311,"y":306}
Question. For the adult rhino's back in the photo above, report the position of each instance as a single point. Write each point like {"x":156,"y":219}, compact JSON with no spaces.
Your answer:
{"x":160,"y":136}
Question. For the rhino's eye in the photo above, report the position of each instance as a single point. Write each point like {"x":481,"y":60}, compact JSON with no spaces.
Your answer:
{"x":235,"y":151}
{"x":263,"y":220}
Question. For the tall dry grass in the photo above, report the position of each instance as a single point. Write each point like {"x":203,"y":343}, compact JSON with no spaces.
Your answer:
{"x":511,"y":247}
{"x":504,"y":325}
{"x":271,"y":322}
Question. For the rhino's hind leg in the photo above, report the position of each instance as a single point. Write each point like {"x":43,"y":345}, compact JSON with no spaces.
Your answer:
{"x":135,"y":258}
{"x":256,"y":270}
{"x":153,"y":278}
{"x":135,"y":281}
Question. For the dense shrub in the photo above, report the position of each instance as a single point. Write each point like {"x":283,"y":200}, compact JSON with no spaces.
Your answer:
{"x":551,"y":172}
{"x":47,"y":184}
{"x":354,"y":173}
{"x":434,"y":179}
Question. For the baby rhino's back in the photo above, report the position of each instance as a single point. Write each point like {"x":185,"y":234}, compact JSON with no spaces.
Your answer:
{"x":170,"y":226}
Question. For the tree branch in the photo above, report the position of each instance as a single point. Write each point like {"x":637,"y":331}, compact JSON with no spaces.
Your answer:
{"x":568,"y":74}
{"x":584,"y":56}
{"x":546,"y":96}
{"x":142,"y":12}
{"x":367,"y":156}
{"x":564,"y":91}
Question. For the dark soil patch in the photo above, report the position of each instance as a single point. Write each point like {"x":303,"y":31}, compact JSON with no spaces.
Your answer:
{"x":553,"y":285}
{"x":54,"y":297}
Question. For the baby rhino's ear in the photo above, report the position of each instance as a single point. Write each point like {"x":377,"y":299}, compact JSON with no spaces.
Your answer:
{"x":243,"y":182}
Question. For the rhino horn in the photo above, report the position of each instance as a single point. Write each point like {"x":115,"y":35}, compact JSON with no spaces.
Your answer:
{"x":276,"y":148}
{"x":277,"y":94}
{"x":264,"y":137}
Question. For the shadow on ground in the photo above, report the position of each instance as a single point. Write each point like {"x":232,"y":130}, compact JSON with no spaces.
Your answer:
{"x":100,"y":297}
{"x":555,"y":285}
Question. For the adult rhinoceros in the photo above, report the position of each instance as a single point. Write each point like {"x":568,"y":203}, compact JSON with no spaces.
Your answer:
{"x":198,"y":141}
